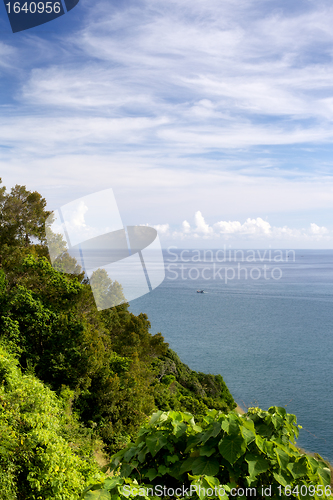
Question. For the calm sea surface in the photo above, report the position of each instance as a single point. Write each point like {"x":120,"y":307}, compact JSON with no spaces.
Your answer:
{"x":267,"y":330}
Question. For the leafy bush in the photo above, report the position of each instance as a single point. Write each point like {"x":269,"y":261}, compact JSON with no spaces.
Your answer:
{"x":228,"y":456}
{"x":189,"y":390}
{"x":36,"y":462}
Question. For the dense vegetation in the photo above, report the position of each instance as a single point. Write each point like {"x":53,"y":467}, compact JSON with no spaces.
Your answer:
{"x":78,"y":385}
{"x":227,"y":456}
{"x":37,"y":460}
{"x":108,"y":367}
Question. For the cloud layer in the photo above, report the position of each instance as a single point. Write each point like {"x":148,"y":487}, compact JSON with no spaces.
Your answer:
{"x":226,"y":106}
{"x":251,"y":229}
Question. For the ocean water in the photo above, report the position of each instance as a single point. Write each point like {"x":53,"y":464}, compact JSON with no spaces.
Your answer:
{"x":267,"y":330}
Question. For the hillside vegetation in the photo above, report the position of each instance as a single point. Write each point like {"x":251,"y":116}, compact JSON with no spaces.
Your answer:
{"x":77,"y":383}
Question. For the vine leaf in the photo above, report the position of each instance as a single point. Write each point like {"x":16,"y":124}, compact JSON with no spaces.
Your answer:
{"x":209,"y":467}
{"x":151,"y":474}
{"x":155,"y":443}
{"x":187,"y":465}
{"x":283,"y":458}
{"x":257,"y":464}
{"x":282,"y":478}
{"x":212,"y":432}
{"x":247,"y":434}
{"x":232,"y":447}
{"x":298,"y":469}
{"x":97,"y":495}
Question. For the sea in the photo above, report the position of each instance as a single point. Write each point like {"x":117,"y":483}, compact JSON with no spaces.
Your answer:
{"x":264,"y":322}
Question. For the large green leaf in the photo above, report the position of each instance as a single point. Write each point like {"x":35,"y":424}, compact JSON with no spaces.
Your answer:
{"x":283,"y":458}
{"x":152,"y":444}
{"x":249,"y":424}
{"x":155,"y":443}
{"x":187,"y":465}
{"x":175,"y":416}
{"x":248,"y":435}
{"x":282,"y":478}
{"x":126,"y":470}
{"x":213,"y":482}
{"x":313,"y":464}
{"x":325,"y":475}
{"x":208,"y":466}
{"x":210,"y":481}
{"x":298,"y":469}
{"x":207,"y":450}
{"x":277,"y":421}
{"x":193,"y":441}
{"x":130,"y":453}
{"x":97,"y":495}
{"x":264,"y":430}
{"x":212,"y":432}
{"x":151,"y":474}
{"x":230,"y":426}
{"x":257,"y":464}
{"x":232,"y":447}
{"x":112,"y":482}
{"x":179,"y":428}
{"x":159,"y":416}
{"x":143,"y":453}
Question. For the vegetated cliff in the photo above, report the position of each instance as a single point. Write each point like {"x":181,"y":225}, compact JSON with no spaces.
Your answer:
{"x":119,"y":373}
{"x":188,"y":390}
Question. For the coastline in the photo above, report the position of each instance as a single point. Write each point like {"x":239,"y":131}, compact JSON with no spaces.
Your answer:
{"x":239,"y":409}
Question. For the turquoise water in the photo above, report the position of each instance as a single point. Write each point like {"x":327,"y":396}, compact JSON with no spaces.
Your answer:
{"x":269,"y":335}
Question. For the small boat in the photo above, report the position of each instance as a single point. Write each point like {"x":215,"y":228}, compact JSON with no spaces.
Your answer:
{"x":200,"y":291}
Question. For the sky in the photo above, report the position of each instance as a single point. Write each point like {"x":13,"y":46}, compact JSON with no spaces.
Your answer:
{"x":212,"y":121}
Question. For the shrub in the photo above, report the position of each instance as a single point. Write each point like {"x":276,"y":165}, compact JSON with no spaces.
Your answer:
{"x":228,"y":453}
{"x":36,"y":462}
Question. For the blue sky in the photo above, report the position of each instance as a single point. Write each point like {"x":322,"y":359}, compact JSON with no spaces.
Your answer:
{"x":211,"y":120}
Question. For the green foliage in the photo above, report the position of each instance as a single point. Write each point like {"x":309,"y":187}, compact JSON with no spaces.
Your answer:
{"x":231,"y":452}
{"x":107,"y":293}
{"x":22,"y":216}
{"x":189,"y":390}
{"x":49,"y":333}
{"x":36,"y":462}
{"x":120,"y":373}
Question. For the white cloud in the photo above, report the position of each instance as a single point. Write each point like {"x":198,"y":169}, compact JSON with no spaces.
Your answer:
{"x":201,"y":226}
{"x":77,"y":217}
{"x":186,"y":227}
{"x":318,"y":231}
{"x":250,"y":226}
{"x":162,"y":228}
{"x":249,"y":230}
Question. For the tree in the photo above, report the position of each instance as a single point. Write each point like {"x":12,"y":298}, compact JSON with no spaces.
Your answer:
{"x":22,"y":216}
{"x":107,"y":293}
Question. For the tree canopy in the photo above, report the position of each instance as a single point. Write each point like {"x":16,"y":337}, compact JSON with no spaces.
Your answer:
{"x":22,"y":216}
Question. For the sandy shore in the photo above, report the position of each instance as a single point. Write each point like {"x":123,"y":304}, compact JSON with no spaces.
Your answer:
{"x":239,"y":409}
